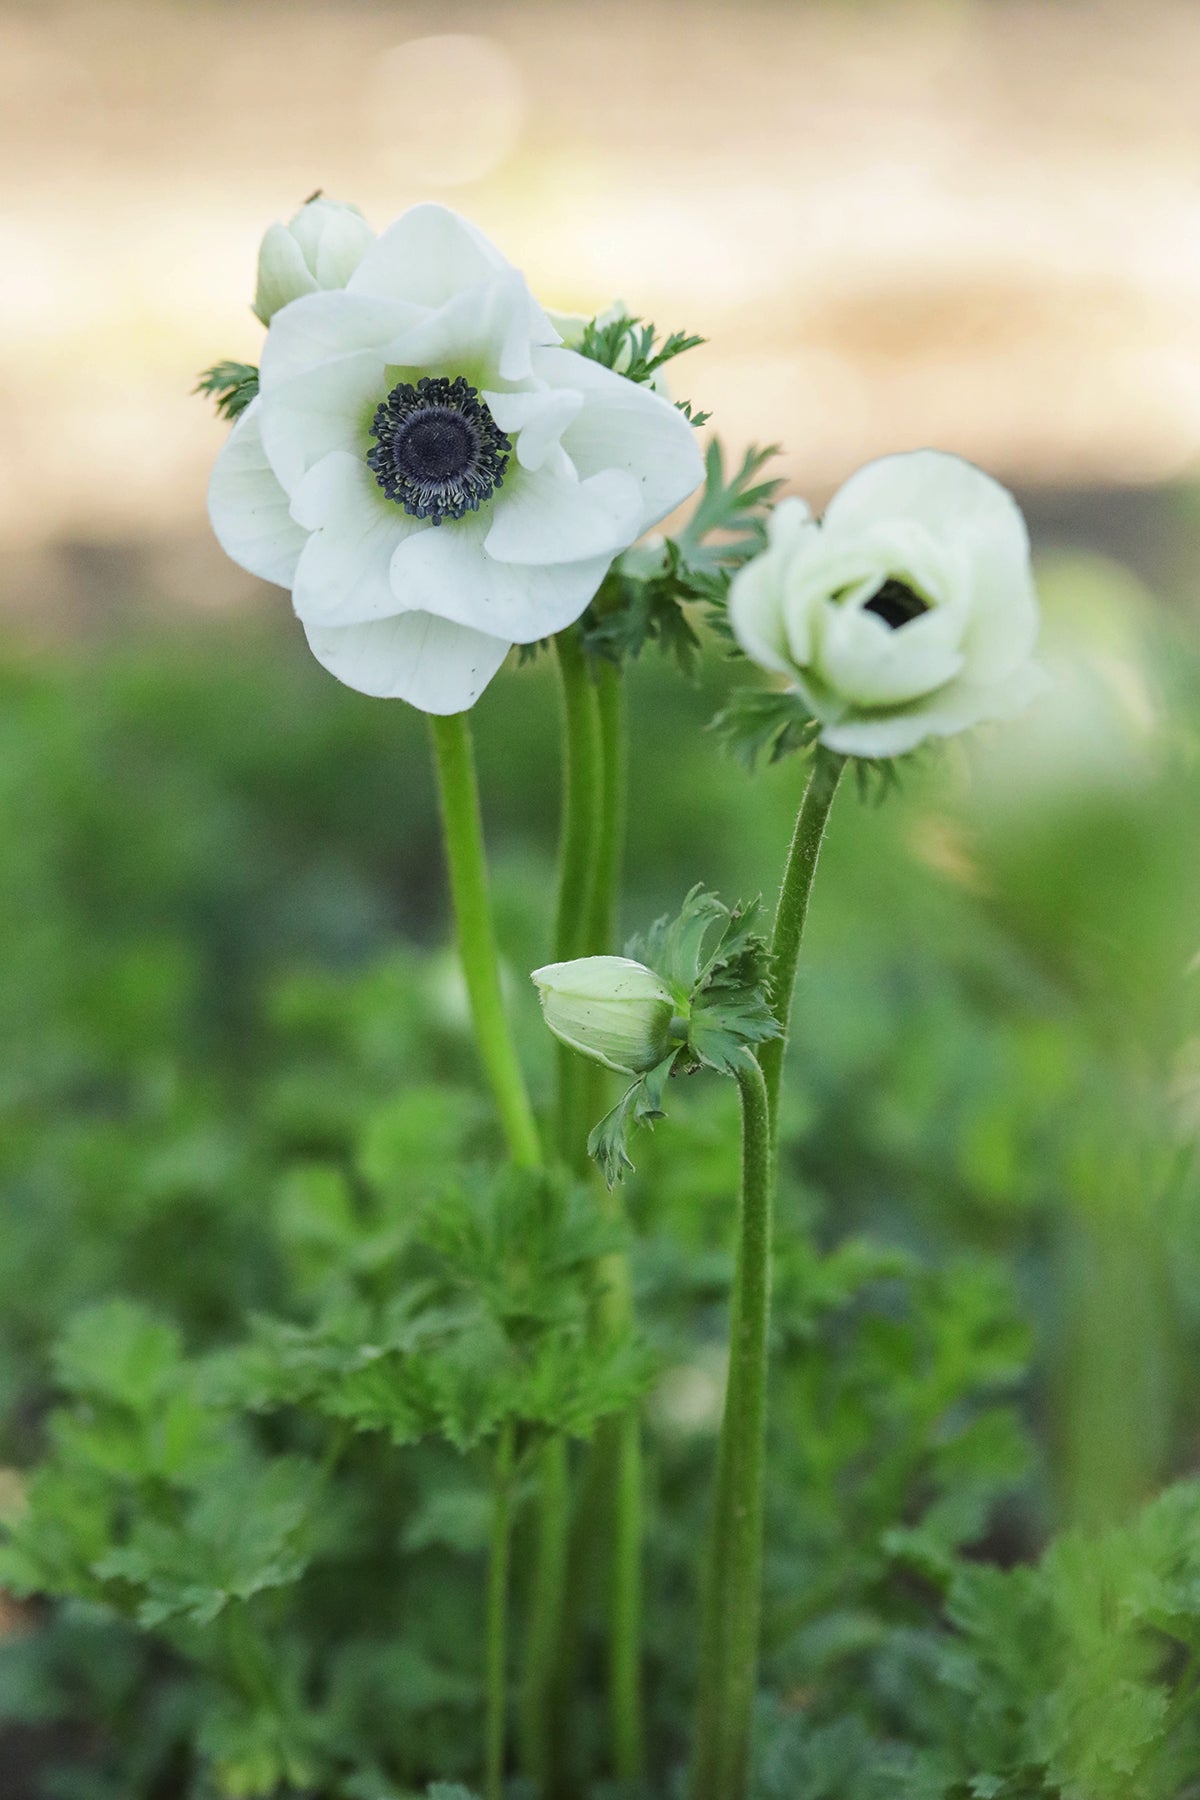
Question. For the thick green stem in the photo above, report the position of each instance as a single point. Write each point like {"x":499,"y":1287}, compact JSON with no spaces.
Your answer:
{"x":792,"y":911}
{"x":733,"y":1587}
{"x":496,"y":1624}
{"x":582,"y":807}
{"x":610,"y":835}
{"x":541,"y":1676}
{"x":455,"y":760}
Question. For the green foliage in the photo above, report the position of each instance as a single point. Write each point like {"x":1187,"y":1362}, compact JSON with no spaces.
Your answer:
{"x":630,"y":346}
{"x":757,"y":724}
{"x":230,"y":385}
{"x":237,"y":1084}
{"x":719,"y":991}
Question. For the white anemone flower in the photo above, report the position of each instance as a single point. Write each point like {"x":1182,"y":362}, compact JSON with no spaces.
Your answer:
{"x":432,"y":473}
{"x":907,"y":612}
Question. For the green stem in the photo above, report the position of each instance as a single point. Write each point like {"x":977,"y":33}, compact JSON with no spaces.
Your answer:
{"x":733,"y":1588}
{"x":496,"y":1624}
{"x":582,"y":805}
{"x":792,"y":911}
{"x":541,"y":1677}
{"x":622,"y":1447}
{"x":455,"y":760}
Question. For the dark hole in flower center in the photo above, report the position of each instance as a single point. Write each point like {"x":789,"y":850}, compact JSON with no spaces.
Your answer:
{"x":440,"y":453}
{"x":434,"y":445}
{"x":896,"y":604}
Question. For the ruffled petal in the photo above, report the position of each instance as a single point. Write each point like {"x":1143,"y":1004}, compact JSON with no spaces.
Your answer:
{"x":957,"y":707}
{"x":448,"y":571}
{"x":757,"y":593}
{"x":249,"y":508}
{"x":433,"y":664}
{"x":489,"y":329}
{"x":868,"y":662}
{"x":958,"y":502}
{"x":550,"y":516}
{"x":329,"y":407}
{"x":536,"y":420}
{"x":344,"y":573}
{"x":321,"y":327}
{"x":624,"y":426}
{"x":426,"y":256}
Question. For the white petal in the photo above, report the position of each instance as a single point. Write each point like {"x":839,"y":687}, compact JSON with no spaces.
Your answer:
{"x":319,"y":327}
{"x":446,"y":570}
{"x":344,"y":573}
{"x":957,"y":501}
{"x":329,"y":407}
{"x":624,"y":426}
{"x":954,"y":708}
{"x":535,"y":419}
{"x":248,"y":507}
{"x":426,"y":256}
{"x":756,"y":615}
{"x":343,"y":239}
{"x":283,"y":274}
{"x":487,"y":329}
{"x":440,"y":667}
{"x":865,"y":660}
{"x":550,"y":516}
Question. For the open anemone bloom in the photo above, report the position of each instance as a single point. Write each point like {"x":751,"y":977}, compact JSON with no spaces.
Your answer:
{"x":907,"y":612}
{"x":432,"y":473}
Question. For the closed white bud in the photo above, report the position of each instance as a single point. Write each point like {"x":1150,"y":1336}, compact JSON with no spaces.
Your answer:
{"x":319,"y":248}
{"x":613,"y":1010}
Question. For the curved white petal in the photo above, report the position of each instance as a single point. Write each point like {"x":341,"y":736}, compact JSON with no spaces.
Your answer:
{"x":488,"y":329}
{"x":283,"y":273}
{"x":249,"y":508}
{"x":866,"y":661}
{"x":339,"y":240}
{"x":535,"y":419}
{"x":319,"y":327}
{"x":757,"y":599}
{"x":960,"y":705}
{"x":431,"y":663}
{"x":329,"y":407}
{"x":343,"y":576}
{"x":549,"y":516}
{"x":448,"y":571}
{"x":426,"y":256}
{"x":624,"y":426}
{"x":958,"y":502}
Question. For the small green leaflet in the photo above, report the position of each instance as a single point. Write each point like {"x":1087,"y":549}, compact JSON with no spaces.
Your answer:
{"x":230,"y":385}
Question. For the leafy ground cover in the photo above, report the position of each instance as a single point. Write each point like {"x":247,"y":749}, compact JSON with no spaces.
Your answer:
{"x":260,"y":1309}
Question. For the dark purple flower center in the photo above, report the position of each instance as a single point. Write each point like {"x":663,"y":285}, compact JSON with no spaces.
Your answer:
{"x":440,"y":453}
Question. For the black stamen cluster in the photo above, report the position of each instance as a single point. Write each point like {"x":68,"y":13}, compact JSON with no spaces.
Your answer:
{"x":896,"y":603}
{"x":440,"y":453}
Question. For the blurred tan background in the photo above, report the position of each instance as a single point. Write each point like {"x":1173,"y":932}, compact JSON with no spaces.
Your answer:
{"x":957,"y":222}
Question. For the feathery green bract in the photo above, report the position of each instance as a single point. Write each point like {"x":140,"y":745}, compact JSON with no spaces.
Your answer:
{"x":627,"y":344}
{"x":721,"y":992}
{"x":230,"y":385}
{"x":731,"y":509}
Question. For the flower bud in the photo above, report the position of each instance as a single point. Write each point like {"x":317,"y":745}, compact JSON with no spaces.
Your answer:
{"x":319,"y":248}
{"x":615,"y":1011}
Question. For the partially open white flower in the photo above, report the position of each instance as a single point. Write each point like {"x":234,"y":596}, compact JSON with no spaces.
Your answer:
{"x":319,"y":248}
{"x":907,"y":612}
{"x":611,"y":1009}
{"x":432,"y":473}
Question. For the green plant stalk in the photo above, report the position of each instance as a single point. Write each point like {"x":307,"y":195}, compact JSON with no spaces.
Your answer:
{"x":496,"y":1624}
{"x":621,"y":1442}
{"x":458,"y":788}
{"x":733,"y":1585}
{"x":792,"y":911}
{"x":541,"y":1677}
{"x":579,"y":844}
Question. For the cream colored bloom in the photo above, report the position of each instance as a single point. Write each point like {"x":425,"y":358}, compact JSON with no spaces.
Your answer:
{"x":907,"y":612}
{"x":432,"y":473}
{"x":319,"y":248}
{"x":614,"y":1010}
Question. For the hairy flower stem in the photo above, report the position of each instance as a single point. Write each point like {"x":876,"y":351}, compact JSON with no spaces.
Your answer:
{"x":733,"y":1583}
{"x":455,"y":760}
{"x":458,"y":789}
{"x":792,"y":911}
{"x":496,"y":1626}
